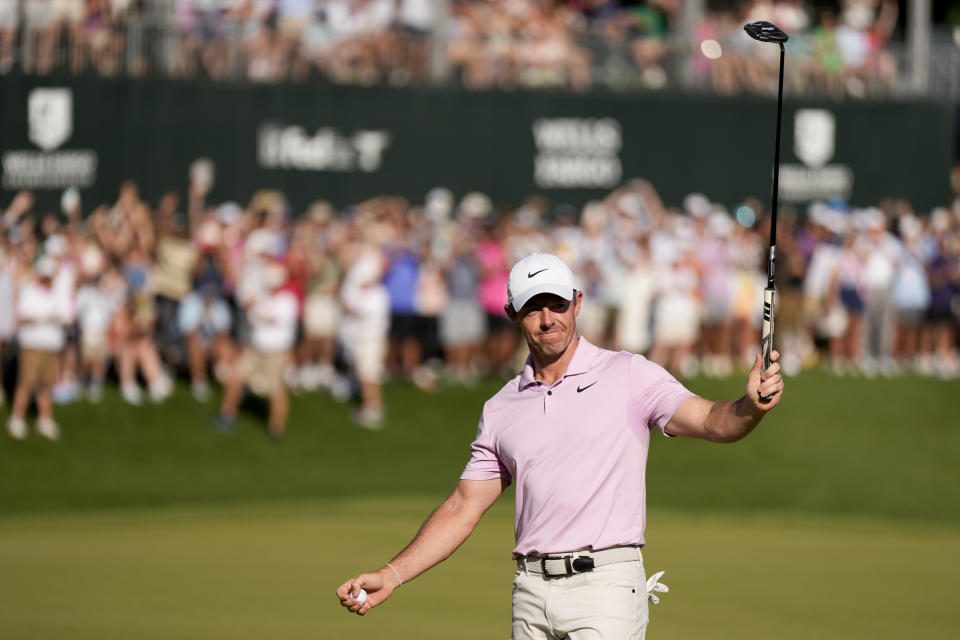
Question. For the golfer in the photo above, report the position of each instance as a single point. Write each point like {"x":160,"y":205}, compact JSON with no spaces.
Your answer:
{"x":572,"y":431}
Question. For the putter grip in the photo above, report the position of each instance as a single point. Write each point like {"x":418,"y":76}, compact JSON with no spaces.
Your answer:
{"x":766,"y":337}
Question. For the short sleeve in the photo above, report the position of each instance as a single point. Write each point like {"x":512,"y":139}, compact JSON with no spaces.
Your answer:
{"x":484,"y":463}
{"x":654,"y":393}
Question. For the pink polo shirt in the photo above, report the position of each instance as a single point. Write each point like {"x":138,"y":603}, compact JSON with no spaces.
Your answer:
{"x":576,"y":450}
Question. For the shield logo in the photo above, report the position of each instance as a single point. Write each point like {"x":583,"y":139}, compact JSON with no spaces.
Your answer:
{"x":814,"y":136}
{"x":50,"y":117}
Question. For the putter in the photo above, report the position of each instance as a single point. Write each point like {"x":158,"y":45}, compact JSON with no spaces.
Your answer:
{"x":768,"y":32}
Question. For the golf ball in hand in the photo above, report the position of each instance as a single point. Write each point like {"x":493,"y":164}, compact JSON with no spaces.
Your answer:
{"x":361,"y":597}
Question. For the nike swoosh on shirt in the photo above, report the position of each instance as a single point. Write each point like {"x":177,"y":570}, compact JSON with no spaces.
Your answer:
{"x":582,"y":389}
{"x":530,"y":275}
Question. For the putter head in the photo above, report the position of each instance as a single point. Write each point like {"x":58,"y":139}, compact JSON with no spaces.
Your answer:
{"x":765,"y":32}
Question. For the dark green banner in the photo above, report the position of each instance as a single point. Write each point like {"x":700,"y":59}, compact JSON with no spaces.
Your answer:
{"x":347,"y":144}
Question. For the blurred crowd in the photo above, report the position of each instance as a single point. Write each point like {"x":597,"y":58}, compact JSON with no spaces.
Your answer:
{"x":573,"y":44}
{"x":837,"y":51}
{"x":268,"y":299}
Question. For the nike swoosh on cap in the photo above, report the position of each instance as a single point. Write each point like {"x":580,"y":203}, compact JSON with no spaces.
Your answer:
{"x":530,"y":275}
{"x":582,"y":389}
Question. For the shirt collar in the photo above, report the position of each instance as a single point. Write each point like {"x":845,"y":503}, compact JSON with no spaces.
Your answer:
{"x":580,"y":363}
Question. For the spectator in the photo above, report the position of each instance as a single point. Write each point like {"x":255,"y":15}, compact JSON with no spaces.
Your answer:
{"x":204,"y":317}
{"x":100,"y":296}
{"x":635,"y":313}
{"x":462,"y":322}
{"x":7,"y":318}
{"x":400,"y":279}
{"x":272,"y":312}
{"x":911,"y":296}
{"x":879,"y":271}
{"x":41,"y":315}
{"x":944,"y":275}
{"x":676,"y":319}
{"x":717,"y":258}
{"x":135,"y":329}
{"x":176,"y":262}
{"x":321,"y":239}
{"x":848,"y":275}
{"x":364,"y":330}
{"x":502,"y":336}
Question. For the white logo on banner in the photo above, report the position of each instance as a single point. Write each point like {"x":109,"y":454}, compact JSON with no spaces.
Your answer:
{"x":49,"y":125}
{"x":814,"y":143}
{"x":49,"y":117}
{"x":290,"y":147}
{"x":814,"y":136}
{"x":577,"y":153}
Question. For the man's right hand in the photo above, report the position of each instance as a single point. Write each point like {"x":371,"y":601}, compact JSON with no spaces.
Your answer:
{"x":378,"y":586}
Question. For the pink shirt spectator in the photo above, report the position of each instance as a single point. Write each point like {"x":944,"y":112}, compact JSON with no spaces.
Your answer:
{"x":577,"y":450}
{"x":492,"y":289}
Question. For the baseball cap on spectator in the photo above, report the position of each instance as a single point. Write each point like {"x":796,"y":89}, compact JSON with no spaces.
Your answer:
{"x":229,"y":213}
{"x":70,"y":200}
{"x":46,"y":267}
{"x":438,"y":204}
{"x":475,"y":205}
{"x":55,"y":245}
{"x":940,"y":220}
{"x":720,"y":224}
{"x":539,"y":273}
{"x":910,"y":226}
{"x":697,"y":205}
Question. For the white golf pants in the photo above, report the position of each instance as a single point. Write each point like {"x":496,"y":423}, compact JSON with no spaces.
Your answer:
{"x":608,"y":603}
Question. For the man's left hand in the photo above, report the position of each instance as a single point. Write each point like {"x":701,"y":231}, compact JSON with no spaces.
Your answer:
{"x":765,"y":388}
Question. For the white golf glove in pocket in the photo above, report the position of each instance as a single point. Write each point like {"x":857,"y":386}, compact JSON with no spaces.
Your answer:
{"x":654,"y":587}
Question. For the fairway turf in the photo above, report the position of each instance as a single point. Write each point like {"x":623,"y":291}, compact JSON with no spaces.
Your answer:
{"x":270,"y":572}
{"x":837,"y":518}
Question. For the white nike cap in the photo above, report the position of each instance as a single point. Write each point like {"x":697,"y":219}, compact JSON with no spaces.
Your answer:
{"x":539,"y":273}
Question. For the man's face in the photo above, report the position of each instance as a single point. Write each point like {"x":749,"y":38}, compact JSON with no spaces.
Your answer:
{"x":548,"y":323}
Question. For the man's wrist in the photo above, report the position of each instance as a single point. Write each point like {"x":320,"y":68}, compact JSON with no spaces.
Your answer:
{"x":391,"y":576}
{"x":748,"y":409}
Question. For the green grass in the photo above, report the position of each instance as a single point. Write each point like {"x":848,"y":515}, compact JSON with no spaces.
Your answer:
{"x":886,"y":448}
{"x":837,"y":518}
{"x":270,"y":572}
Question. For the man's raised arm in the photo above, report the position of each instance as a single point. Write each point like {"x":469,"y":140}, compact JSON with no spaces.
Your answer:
{"x":445,"y":530}
{"x":731,"y":420}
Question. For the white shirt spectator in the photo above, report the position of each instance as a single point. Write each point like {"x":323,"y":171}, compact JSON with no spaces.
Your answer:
{"x":417,"y":14}
{"x":273,"y":321}
{"x":64,"y":285}
{"x":822,"y":265}
{"x":366,"y":302}
{"x":348,"y":19}
{"x":95,"y":309}
{"x":41,"y":312}
{"x":881,"y":264}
